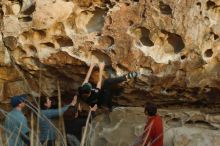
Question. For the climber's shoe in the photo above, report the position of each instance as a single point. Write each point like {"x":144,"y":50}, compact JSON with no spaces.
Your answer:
{"x":132,"y":75}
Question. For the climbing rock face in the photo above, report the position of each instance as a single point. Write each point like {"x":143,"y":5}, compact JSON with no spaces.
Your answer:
{"x":173,"y":44}
{"x":125,"y":125}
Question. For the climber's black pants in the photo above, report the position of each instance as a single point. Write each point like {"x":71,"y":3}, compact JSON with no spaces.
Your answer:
{"x":106,"y":95}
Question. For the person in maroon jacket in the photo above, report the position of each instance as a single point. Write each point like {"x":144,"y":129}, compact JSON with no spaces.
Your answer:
{"x":153,"y":130}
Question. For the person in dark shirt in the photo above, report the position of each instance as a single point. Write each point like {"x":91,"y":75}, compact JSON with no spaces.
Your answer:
{"x":101,"y":95}
{"x":74,"y":121}
{"x":48,"y":133}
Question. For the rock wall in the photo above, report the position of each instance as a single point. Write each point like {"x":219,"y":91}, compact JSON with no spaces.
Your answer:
{"x":173,"y":44}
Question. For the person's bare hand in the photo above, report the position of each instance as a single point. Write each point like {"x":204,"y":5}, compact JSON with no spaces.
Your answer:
{"x":94,"y":108}
{"x":74,"y":101}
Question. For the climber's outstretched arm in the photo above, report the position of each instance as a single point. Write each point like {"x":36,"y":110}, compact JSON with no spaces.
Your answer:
{"x":101,"y":69}
{"x":89,"y":73}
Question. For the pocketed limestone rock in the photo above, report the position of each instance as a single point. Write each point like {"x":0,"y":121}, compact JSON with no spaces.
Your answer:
{"x":173,"y":44}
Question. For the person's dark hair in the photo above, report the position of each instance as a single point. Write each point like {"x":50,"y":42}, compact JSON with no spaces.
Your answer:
{"x":150,"y":109}
{"x":43,"y":100}
{"x":82,"y":91}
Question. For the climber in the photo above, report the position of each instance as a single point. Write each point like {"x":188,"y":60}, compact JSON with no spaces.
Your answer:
{"x":47,"y":130}
{"x":101,"y":95}
{"x":153,"y":131}
{"x":16,"y":123}
{"x":74,"y":120}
